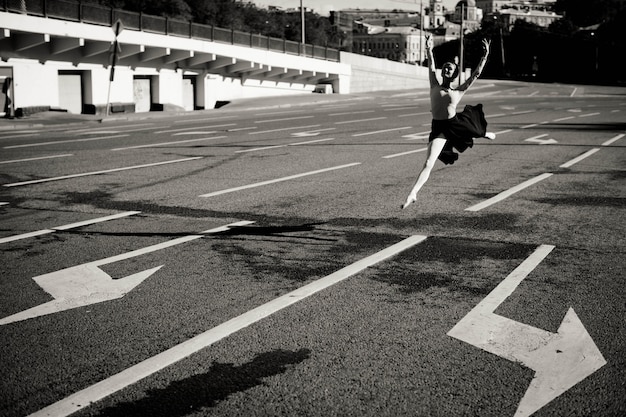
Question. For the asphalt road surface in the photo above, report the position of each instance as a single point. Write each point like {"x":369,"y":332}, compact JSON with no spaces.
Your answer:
{"x":254,"y":260}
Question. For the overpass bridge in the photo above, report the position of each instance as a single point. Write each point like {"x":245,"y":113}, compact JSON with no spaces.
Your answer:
{"x":60,"y":54}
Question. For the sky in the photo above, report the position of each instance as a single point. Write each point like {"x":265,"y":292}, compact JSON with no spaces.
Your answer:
{"x":323,"y":7}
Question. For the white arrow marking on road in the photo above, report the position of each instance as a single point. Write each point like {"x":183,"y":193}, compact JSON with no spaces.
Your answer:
{"x":560,"y":360}
{"x":86,"y":284}
{"x":141,"y":370}
{"x":79,"y":286}
{"x":537,"y":139}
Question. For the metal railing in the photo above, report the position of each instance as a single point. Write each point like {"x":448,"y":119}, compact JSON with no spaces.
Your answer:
{"x":77,"y":11}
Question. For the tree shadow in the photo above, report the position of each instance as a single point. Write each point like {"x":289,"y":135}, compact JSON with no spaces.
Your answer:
{"x":205,"y":390}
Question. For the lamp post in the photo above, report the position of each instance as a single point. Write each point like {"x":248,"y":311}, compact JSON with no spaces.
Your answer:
{"x":302,"y":20}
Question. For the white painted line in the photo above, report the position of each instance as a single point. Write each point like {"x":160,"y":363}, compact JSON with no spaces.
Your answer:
{"x":405,"y":153}
{"x":352,"y":112}
{"x":279,"y":112}
{"x":204,"y":120}
{"x":381,"y":131}
{"x":199,"y":132}
{"x":588,"y":114}
{"x":242,"y":129}
{"x":283,"y":129}
{"x":100,"y":129}
{"x":413,"y":114}
{"x":508,"y":193}
{"x":360,"y":120}
{"x":282,"y":120}
{"x":28,"y":145}
{"x":502,"y":132}
{"x":308,"y":142}
{"x":85,"y":174}
{"x":36,"y":159}
{"x":167,"y":143}
{"x":25,"y":235}
{"x":611,"y":141}
{"x":3,"y":203}
{"x":195,"y":128}
{"x":169,"y":243}
{"x":529,"y":126}
{"x":579,"y":158}
{"x":291,"y":177}
{"x":564,"y":118}
{"x":263,"y":148}
{"x":135,"y":373}
{"x":66,"y":227}
{"x":98,"y":220}
{"x":573,"y":92}
{"x":19,"y":136}
{"x":523,"y":112}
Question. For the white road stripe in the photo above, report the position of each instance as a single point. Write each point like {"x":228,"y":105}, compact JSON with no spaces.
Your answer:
{"x":36,"y":159}
{"x":508,"y":193}
{"x":579,"y":158}
{"x":150,"y":145}
{"x":19,"y":136}
{"x":589,"y":114}
{"x":135,"y":373}
{"x":405,"y":153}
{"x":85,"y":174}
{"x":352,"y":112}
{"x":282,"y":120}
{"x":360,"y":120}
{"x":195,"y":128}
{"x":262,"y":148}
{"x":28,"y":145}
{"x":283,"y":129}
{"x":611,"y":141}
{"x":563,"y":118}
{"x":381,"y":131}
{"x":291,"y":177}
{"x":67,"y":226}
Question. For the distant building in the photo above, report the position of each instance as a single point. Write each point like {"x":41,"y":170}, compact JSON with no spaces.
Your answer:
{"x":508,"y":17}
{"x":402,"y":44}
{"x":467,"y":13}
{"x":345,"y":23}
{"x":494,"y":6}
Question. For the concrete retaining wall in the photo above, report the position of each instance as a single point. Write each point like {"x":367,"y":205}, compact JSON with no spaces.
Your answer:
{"x":374,"y":74}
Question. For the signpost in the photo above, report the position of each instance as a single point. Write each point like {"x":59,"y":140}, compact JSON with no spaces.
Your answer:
{"x":117,"y":28}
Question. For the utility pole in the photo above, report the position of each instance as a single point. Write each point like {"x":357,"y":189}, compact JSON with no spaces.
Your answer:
{"x":461,"y":70}
{"x":303,"y":25}
{"x":421,"y":34}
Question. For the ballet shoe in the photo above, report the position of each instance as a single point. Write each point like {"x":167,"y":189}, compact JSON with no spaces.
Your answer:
{"x":409,"y":201}
{"x":490,"y":135}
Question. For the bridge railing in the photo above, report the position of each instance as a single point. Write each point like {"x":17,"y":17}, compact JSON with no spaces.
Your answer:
{"x":77,"y":11}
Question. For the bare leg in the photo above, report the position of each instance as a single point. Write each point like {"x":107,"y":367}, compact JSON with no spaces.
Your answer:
{"x":434,"y":149}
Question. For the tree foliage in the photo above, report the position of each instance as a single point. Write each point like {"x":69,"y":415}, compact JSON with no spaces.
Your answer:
{"x":585,"y":46}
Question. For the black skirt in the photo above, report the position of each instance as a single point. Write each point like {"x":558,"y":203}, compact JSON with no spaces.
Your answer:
{"x":459,"y":131}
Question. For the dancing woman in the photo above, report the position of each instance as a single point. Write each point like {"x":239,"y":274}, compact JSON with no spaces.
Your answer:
{"x":450,"y":129}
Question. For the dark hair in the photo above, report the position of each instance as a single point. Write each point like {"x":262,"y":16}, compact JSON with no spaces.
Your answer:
{"x":456,"y":69}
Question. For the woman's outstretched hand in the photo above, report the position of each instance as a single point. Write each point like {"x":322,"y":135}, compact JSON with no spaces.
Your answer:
{"x":486,"y":44}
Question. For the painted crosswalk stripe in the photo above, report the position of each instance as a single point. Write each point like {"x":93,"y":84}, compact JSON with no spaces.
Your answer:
{"x":85,"y":174}
{"x":67,"y":226}
{"x":291,"y":177}
{"x":135,"y":373}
